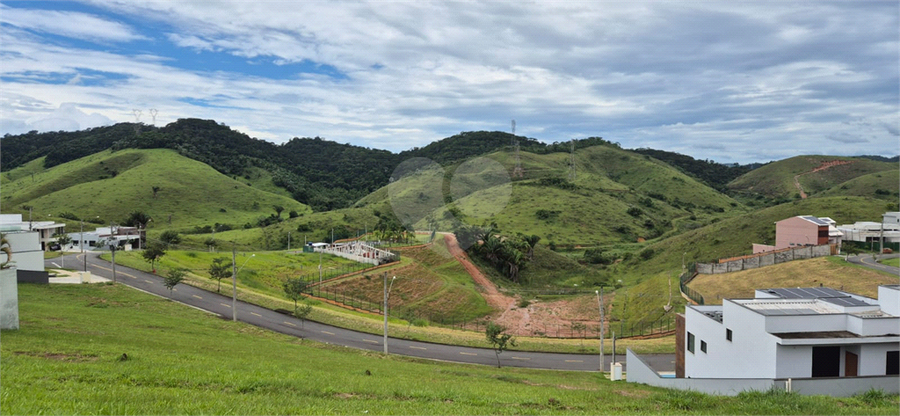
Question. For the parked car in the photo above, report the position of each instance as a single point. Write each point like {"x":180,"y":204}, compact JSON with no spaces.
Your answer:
{"x":54,"y":247}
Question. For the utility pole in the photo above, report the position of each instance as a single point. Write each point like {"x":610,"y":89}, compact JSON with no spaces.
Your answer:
{"x":881,"y":238}
{"x":602,"y":332}
{"x":387,"y":293}
{"x":83,"y":256}
{"x":233,"y":283}
{"x":289,"y":241}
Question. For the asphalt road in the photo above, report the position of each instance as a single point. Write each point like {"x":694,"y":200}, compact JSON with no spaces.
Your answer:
{"x":265,"y":318}
{"x":868,"y":261}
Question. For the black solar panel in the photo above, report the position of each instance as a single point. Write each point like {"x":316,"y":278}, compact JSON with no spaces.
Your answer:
{"x":797,"y":311}
{"x":806,"y":293}
{"x":847,"y":301}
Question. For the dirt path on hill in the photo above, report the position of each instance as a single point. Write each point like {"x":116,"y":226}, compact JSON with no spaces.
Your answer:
{"x":823,"y":166}
{"x":552,"y":319}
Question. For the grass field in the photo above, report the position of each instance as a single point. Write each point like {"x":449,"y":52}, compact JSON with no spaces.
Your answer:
{"x":776,"y":180}
{"x":68,"y":358}
{"x":892,"y":262}
{"x":831,"y":272}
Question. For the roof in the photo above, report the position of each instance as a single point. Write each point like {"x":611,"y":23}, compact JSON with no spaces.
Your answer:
{"x":805,"y":292}
{"x":814,"y":220}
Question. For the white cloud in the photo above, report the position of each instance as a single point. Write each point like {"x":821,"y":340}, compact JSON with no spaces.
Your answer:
{"x":70,"y":24}
{"x":766,"y":80}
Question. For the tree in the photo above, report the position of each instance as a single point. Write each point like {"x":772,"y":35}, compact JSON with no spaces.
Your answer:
{"x":155,"y":190}
{"x":498,"y":339}
{"x":218,"y":270}
{"x":174,"y":277}
{"x":137,"y":219}
{"x":170,"y":237}
{"x":6,"y":249}
{"x":63,"y":240}
{"x":278,"y":209}
{"x":153,"y":252}
{"x":211,"y":244}
{"x":294,"y":288}
{"x":532,"y":241}
{"x":302,"y":312}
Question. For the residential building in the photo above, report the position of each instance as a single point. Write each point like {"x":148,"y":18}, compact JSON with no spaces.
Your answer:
{"x":793,"y":334}
{"x":803,"y":230}
{"x":125,"y":237}
{"x":872,"y":232}
{"x":46,"y":229}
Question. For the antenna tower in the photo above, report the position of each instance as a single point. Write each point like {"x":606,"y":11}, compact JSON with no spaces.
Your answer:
{"x":153,"y":114}
{"x":518,"y":172}
{"x":572,"y":163}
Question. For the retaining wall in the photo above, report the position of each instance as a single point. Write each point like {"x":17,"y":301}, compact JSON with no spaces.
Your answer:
{"x":763,"y":259}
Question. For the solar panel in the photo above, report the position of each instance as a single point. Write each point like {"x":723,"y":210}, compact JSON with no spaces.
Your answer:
{"x":806,"y":293}
{"x":847,"y":301}
{"x":815,"y":220}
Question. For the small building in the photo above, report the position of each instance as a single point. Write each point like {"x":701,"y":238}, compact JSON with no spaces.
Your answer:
{"x":873,"y":232}
{"x":47,"y":230}
{"x":125,"y":237}
{"x":793,"y":334}
{"x":27,"y":256}
{"x":803,"y":230}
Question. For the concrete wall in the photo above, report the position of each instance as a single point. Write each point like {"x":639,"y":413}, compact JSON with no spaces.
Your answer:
{"x":762,"y":260}
{"x":873,"y":358}
{"x":749,"y":341}
{"x":29,"y":276}
{"x":9,"y":299}
{"x":26,"y":250}
{"x":842,"y":387}
{"x":640,"y":372}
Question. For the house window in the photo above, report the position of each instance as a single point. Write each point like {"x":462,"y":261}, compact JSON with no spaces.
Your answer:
{"x":690,"y":342}
{"x":893,"y":363}
{"x":728,"y":334}
{"x":703,"y":346}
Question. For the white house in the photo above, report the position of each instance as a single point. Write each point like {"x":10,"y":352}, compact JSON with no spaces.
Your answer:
{"x":871,"y":231}
{"x":45,"y":229}
{"x":794,"y":333}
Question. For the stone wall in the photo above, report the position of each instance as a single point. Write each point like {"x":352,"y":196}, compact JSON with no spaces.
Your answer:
{"x":763,"y":259}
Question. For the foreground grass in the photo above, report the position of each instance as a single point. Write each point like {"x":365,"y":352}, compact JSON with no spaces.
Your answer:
{"x":891,"y":262}
{"x":67,"y":358}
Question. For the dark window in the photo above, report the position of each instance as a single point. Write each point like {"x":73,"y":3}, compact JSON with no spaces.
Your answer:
{"x":690,"y":342}
{"x":703,"y":346}
{"x":893,"y":363}
{"x":728,"y":334}
{"x":826,"y":361}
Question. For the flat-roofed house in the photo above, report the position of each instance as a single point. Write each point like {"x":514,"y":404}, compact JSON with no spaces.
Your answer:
{"x":794,"y":333}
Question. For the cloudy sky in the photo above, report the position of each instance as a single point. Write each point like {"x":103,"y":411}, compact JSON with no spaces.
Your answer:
{"x":728,"y":81}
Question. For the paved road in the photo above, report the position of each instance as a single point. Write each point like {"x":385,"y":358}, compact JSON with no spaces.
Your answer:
{"x":286,"y":324}
{"x":868,"y":261}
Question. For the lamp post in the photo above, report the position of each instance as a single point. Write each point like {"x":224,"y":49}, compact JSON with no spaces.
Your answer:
{"x":234,"y":272}
{"x":602,"y":332}
{"x":387,"y":293}
{"x":81,"y":245}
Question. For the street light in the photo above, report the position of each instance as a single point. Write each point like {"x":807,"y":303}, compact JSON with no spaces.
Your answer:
{"x":234,"y":272}
{"x":602,"y":332}
{"x":387,"y":294}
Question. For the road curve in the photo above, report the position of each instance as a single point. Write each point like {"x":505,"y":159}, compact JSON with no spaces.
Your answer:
{"x":872,"y":263}
{"x":265,"y":318}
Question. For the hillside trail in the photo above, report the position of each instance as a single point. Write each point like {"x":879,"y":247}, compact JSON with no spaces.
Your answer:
{"x":538,"y":318}
{"x":821,"y":167}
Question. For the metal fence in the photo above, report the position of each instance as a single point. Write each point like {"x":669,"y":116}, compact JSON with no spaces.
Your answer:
{"x":686,"y":278}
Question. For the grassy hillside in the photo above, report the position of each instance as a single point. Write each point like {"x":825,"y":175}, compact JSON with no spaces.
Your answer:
{"x":830,"y":272}
{"x":817,"y":173}
{"x":882,"y":185}
{"x":113,"y":184}
{"x":617,"y":196}
{"x":66,"y":360}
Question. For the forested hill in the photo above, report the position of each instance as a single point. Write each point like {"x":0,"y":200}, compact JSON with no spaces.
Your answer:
{"x":322,"y":174}
{"x":714,"y":174}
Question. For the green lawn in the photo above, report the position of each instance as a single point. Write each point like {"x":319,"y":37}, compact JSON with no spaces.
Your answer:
{"x":891,"y":262}
{"x":68,"y":358}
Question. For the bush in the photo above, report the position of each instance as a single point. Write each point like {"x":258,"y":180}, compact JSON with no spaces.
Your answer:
{"x":647,"y":254}
{"x":635,"y":212}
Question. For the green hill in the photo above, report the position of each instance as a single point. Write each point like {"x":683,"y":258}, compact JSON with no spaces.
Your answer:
{"x":882,"y":185}
{"x":814,"y":174}
{"x":113,"y":184}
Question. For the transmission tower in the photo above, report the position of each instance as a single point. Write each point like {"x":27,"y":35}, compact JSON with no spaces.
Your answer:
{"x":137,"y":120}
{"x":572,"y":163}
{"x":153,"y":114}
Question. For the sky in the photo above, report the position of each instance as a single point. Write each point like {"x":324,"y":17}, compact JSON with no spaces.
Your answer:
{"x":733,"y":82}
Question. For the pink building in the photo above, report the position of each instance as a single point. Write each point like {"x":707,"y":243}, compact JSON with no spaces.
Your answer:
{"x":802,"y":230}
